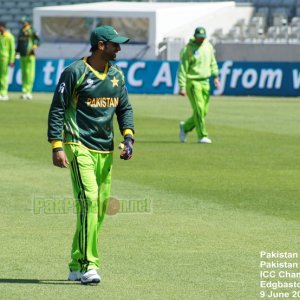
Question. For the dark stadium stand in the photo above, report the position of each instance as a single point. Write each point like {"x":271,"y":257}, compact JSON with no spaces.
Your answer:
{"x":12,"y":11}
{"x":274,"y":21}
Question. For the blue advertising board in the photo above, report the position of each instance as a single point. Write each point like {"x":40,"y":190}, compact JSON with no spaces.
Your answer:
{"x":160,"y":77}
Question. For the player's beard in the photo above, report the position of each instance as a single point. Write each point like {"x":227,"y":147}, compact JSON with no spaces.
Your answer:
{"x":110,"y":56}
{"x":113,"y":56}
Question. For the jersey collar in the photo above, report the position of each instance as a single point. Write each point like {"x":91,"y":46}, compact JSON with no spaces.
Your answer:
{"x":101,"y":76}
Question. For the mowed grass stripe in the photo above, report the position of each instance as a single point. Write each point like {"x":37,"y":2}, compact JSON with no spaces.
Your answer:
{"x":214,"y":208}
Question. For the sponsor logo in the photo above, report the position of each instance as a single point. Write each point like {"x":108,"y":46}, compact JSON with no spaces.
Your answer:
{"x":61,"y":88}
{"x":89,"y":82}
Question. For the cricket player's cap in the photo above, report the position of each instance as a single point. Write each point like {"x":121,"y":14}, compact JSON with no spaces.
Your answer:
{"x":107,"y":34}
{"x":200,"y":32}
{"x":25,"y":19}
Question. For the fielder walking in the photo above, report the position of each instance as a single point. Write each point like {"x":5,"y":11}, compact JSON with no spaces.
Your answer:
{"x":197,"y":65}
{"x":7,"y":59}
{"x":28,"y":41}
{"x":90,"y":91}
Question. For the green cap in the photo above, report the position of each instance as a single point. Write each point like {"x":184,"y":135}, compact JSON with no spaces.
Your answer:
{"x":107,"y":34}
{"x":200,"y":32}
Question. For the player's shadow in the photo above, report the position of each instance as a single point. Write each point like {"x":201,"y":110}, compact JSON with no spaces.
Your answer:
{"x":36,"y":281}
{"x":159,"y":142}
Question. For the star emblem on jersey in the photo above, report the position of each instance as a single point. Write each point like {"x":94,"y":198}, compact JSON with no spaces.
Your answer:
{"x":115,"y":81}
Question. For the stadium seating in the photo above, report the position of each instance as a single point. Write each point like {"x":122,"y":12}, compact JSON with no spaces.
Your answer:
{"x":274,"y":21}
{"x":12,"y":11}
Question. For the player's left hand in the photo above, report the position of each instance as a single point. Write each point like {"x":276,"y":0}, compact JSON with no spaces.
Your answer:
{"x":59,"y":158}
{"x":217,"y":82}
{"x":126,"y":147}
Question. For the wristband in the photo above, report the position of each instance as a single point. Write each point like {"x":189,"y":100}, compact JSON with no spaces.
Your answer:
{"x":129,"y":138}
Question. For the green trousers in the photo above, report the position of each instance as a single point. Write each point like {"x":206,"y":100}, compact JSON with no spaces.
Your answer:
{"x":4,"y":71}
{"x":28,"y":73}
{"x":198,"y":92}
{"x":91,"y":180}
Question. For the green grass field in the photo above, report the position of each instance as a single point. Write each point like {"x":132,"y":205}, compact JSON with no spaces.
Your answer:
{"x":213,"y":207}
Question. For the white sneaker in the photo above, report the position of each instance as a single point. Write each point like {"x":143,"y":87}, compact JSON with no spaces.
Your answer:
{"x":4,"y":97}
{"x":74,"y":276}
{"x":28,"y":96}
{"x":204,"y":140}
{"x":90,"y":277}
{"x":182,"y":134}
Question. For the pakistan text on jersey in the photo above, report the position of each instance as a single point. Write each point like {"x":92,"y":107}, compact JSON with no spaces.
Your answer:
{"x":102,"y":102}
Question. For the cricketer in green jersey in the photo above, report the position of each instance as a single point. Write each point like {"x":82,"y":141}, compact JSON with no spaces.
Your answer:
{"x":80,"y":128}
{"x":197,"y":65}
{"x":28,"y":41}
{"x":7,"y":58}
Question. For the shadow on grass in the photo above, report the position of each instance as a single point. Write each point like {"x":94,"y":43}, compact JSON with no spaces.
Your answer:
{"x":158,"y":142}
{"x":36,"y":281}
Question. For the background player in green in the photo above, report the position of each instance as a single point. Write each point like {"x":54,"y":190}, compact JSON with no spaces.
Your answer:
{"x":28,"y":41}
{"x":7,"y":58}
{"x":197,"y":65}
{"x":90,"y":91}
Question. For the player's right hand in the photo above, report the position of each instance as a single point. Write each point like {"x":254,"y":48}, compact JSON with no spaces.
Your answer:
{"x":126,"y":147}
{"x":217,"y":82}
{"x":59,"y":159}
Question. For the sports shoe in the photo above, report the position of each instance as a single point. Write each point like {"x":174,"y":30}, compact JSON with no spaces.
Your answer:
{"x":74,"y":276}
{"x":4,"y":97}
{"x":182,"y":134}
{"x":90,"y":277}
{"x":204,"y":140}
{"x":28,"y":96}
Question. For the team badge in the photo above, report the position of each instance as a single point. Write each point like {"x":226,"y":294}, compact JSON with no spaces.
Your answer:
{"x":115,"y":81}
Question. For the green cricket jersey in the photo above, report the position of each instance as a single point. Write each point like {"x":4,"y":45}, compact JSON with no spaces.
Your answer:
{"x":27,"y":41}
{"x":7,"y":47}
{"x":84,"y":104}
{"x":197,"y":62}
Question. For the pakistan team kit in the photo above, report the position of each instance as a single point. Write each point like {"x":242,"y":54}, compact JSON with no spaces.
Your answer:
{"x":7,"y":57}
{"x":197,"y":65}
{"x":83,"y":107}
{"x":28,"y":41}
